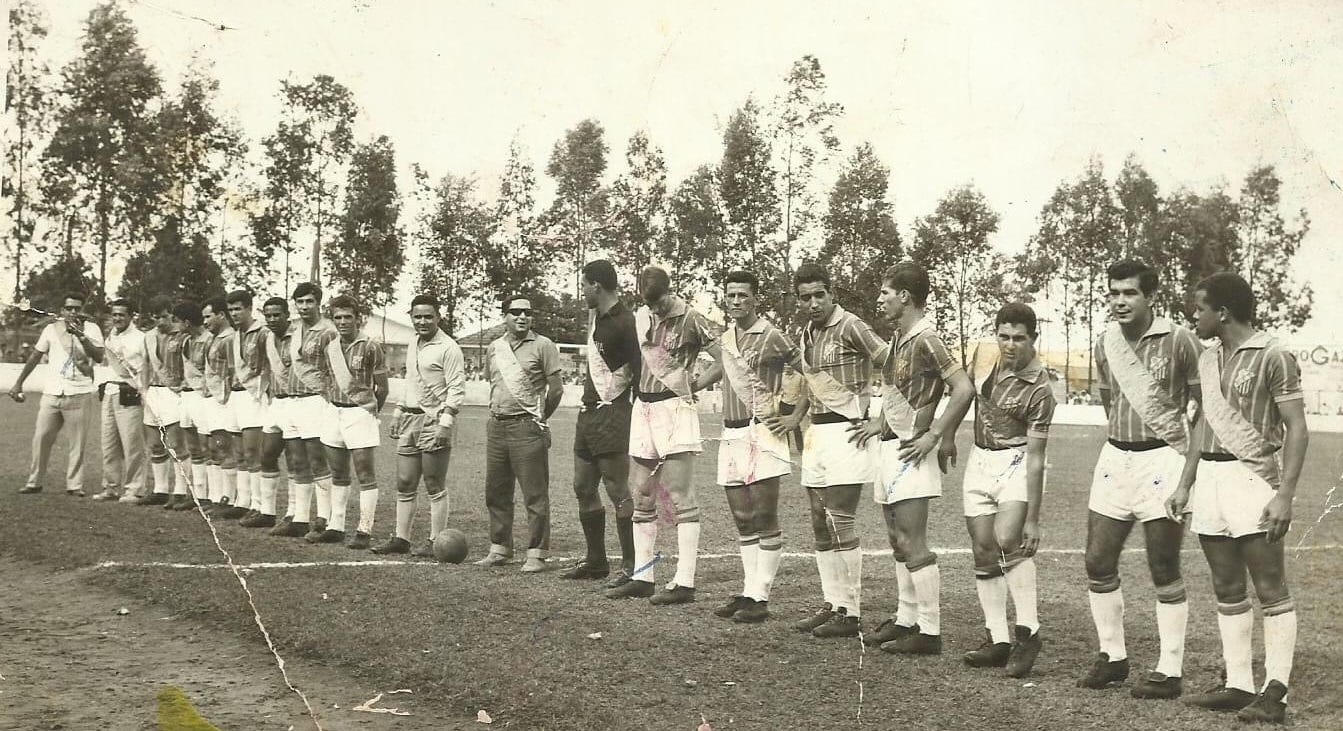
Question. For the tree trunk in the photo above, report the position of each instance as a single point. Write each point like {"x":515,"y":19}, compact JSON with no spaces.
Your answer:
{"x":315,"y":270}
{"x":102,"y":240}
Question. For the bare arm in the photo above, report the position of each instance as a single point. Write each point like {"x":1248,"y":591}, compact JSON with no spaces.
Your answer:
{"x":1035,"y":491}
{"x":554,"y":394}
{"x":33,"y":359}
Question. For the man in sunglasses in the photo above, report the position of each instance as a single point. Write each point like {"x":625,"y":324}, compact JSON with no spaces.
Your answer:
{"x":525,"y":389}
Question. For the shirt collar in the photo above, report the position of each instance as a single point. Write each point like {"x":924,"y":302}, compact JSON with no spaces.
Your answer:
{"x":1159,"y":326}
{"x":436,"y":339}
{"x":1032,"y":373}
{"x":920,"y":326}
{"x":1257,"y":341}
{"x":359,"y":337}
{"x":678,"y":308}
{"x":531,"y":335}
{"x":757,"y":327}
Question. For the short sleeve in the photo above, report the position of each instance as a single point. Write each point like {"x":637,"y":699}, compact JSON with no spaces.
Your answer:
{"x":44,"y":341}
{"x":1102,"y":364}
{"x":1282,"y":375}
{"x":550,"y":357}
{"x":378,"y":357}
{"x":94,"y":335}
{"x":939,"y":357}
{"x":862,"y":337}
{"x":1187,"y":351}
{"x":702,"y":331}
{"x":1040,"y":413}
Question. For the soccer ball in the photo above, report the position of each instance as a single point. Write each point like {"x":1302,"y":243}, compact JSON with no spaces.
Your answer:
{"x":450,"y":546}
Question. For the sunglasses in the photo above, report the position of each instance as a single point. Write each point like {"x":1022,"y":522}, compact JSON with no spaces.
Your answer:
{"x":519,"y":312}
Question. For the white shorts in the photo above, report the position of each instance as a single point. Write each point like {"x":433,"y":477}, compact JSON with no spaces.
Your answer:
{"x":216,"y":417}
{"x":277,"y":414}
{"x":189,"y":406}
{"x":829,"y":458}
{"x":894,"y":480}
{"x":163,"y":406}
{"x":1228,"y":499}
{"x":248,"y":411}
{"x":664,"y":428}
{"x":352,"y":427}
{"x":309,"y":417}
{"x":994,"y":477}
{"x":1134,"y":485}
{"x":750,"y":454}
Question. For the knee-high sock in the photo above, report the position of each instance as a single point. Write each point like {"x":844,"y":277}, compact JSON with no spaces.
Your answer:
{"x":339,"y":497}
{"x":268,"y":489}
{"x":907,"y":605}
{"x":851,"y":577}
{"x":200,"y":479}
{"x":766,"y":567}
{"x":368,"y":506}
{"x":749,"y":547}
{"x":1107,"y":611}
{"x":438,"y":512}
{"x":1172,"y":616}
{"x":405,"y":513}
{"x":645,"y":538}
{"x":215,"y":480}
{"x":687,"y":553}
{"x":992,"y":590}
{"x":163,"y":477}
{"x":301,"y":504}
{"x":827,"y":563}
{"x":181,"y":486}
{"x":1235,"y":622}
{"x":322,"y":488}
{"x":1279,"y":640}
{"x":928,"y":590}
{"x":231,"y":485}
{"x":1021,"y":584}
{"x":244,"y":479}
{"x":291,"y":497}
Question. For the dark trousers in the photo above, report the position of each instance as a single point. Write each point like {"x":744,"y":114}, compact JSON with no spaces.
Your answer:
{"x":517,"y":451}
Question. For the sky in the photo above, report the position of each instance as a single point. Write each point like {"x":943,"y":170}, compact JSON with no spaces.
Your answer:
{"x":1012,"y":97}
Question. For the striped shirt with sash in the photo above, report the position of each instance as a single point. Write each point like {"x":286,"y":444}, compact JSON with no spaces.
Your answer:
{"x":1170,"y":354}
{"x":844,"y":348}
{"x":363,"y":359}
{"x":249,"y":359}
{"x":308,"y":376}
{"x":670,"y":345}
{"x":763,"y":351}
{"x":915,"y":373}
{"x":193,"y":360}
{"x":1253,"y":381}
{"x":219,"y":376}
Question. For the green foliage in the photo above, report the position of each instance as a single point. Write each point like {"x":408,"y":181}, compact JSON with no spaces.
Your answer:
{"x":578,"y":221}
{"x":366,"y":261}
{"x":1267,"y":246}
{"x":46,"y":288}
{"x":453,"y":238}
{"x":696,"y":233}
{"x":638,"y":201}
{"x":804,"y":144}
{"x":750,"y":204}
{"x":29,"y":101}
{"x":861,"y":238}
{"x":176,"y":267}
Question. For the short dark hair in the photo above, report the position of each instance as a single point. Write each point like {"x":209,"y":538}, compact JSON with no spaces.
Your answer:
{"x":280,"y":302}
{"x":507,"y":299}
{"x":1148,"y":279}
{"x":910,"y":277}
{"x":188,"y":312}
{"x":217,"y":304}
{"x":1229,"y":290}
{"x":741,"y":276}
{"x":345,"y":302}
{"x":811,"y":272}
{"x":1017,"y":313}
{"x":657,"y":279}
{"x":75,"y":296}
{"x":239,"y":295}
{"x":425,"y":299}
{"x":160,"y":303}
{"x":602,"y":273}
{"x":122,"y":302}
{"x":308,"y":288}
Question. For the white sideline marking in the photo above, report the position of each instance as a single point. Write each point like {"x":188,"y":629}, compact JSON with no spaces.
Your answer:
{"x":557,"y":559}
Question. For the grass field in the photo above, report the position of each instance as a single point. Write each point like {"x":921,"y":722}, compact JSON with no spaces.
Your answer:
{"x":466,"y":639}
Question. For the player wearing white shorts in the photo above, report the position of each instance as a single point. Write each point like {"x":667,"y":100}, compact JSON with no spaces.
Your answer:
{"x":1004,"y":486}
{"x":1148,"y":375}
{"x":357,"y":373}
{"x":225,"y":438}
{"x":280,"y":435}
{"x":309,"y":411}
{"x":838,"y":352}
{"x":250,"y":403}
{"x":751,"y":458}
{"x":195,"y":420}
{"x":162,"y":402}
{"x":916,"y":373}
{"x":664,"y":435}
{"x":1239,"y":483}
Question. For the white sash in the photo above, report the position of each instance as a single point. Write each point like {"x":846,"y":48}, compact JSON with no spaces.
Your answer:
{"x":656,"y":358}
{"x":240,"y":366}
{"x":1233,"y":430}
{"x":120,"y":366}
{"x":609,"y":384}
{"x":335,"y":354}
{"x":1149,"y":400}
{"x":273,"y":358}
{"x":152,"y":354}
{"x":297,"y":331}
{"x":897,"y":410}
{"x":834,"y":395}
{"x":745,"y":384}
{"x":514,"y":378}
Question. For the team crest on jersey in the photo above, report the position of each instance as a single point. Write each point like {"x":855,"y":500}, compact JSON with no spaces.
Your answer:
{"x":1159,"y":366}
{"x":902,"y":369}
{"x":1242,"y":381}
{"x":1011,"y":403}
{"x":830,"y":352}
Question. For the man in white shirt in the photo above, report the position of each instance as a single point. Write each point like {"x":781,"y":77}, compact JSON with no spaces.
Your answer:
{"x":123,"y":411}
{"x":71,"y":345}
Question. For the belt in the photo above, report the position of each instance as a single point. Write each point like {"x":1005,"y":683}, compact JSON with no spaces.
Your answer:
{"x":1217,"y":457}
{"x":187,"y":389}
{"x":830,"y":417}
{"x":1146,"y":445}
{"x":739,"y":423}
{"x":236,"y":389}
{"x":345,"y":405}
{"x":1003,"y":448}
{"x":279,"y":395}
{"x":412,"y":410}
{"x":652,"y":398}
{"x":511,"y":417}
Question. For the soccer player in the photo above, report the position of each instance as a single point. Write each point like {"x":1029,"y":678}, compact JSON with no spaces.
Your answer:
{"x":162,"y":385}
{"x":755,"y":356}
{"x":196,"y":412}
{"x":838,"y":352}
{"x":602,"y":434}
{"x":225,"y":437}
{"x":664,"y":435}
{"x":423,"y":428}
{"x":249,"y":401}
{"x":308,"y":409}
{"x":1004,"y":485}
{"x":280,"y":436}
{"x":357,"y":374}
{"x":525,"y":389}
{"x":71,"y":345}
{"x":915,"y":375}
{"x":1148,"y":375}
{"x":123,"y":413}
{"x":1239,"y":482}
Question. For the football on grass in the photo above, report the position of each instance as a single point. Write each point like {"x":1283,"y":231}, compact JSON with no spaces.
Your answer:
{"x":450,"y":546}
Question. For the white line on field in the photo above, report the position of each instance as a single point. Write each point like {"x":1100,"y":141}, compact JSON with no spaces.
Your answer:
{"x":558,"y":559}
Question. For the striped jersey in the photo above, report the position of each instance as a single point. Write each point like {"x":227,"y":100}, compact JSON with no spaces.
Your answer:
{"x":683,"y":332}
{"x":919,"y":366}
{"x":252,"y":343}
{"x":307,"y":373}
{"x":767,"y":352}
{"x":279,"y":372}
{"x":1256,"y":378}
{"x":364,"y":357}
{"x":193,"y":356}
{"x":168,"y":347}
{"x":219,"y":365}
{"x":846,"y":348}
{"x":1010,"y":408}
{"x":1170,"y":353}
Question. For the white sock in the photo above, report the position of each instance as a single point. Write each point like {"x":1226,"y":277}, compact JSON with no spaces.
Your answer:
{"x":851,"y":575}
{"x":231,"y":485}
{"x":766,"y":568}
{"x":907,"y":605}
{"x":645,"y":539}
{"x":1107,"y":611}
{"x":267,"y":487}
{"x":826,"y":561}
{"x":323,"y":491}
{"x":749,"y":547}
{"x":1171,"y":619}
{"x":928,"y":589}
{"x":300,"y":506}
{"x":244,"y":479}
{"x":215,"y":479}
{"x":993,"y":600}
{"x":1021,"y":584}
{"x":200,"y":478}
{"x":163,"y":477}
{"x":1235,"y":622}
{"x":1279,"y":645}
{"x":438,"y":513}
{"x":405,"y":513}
{"x":339,"y":497}
{"x":179,"y":482}
{"x":368,"y":506}
{"x":687,"y":553}
{"x":291,"y":497}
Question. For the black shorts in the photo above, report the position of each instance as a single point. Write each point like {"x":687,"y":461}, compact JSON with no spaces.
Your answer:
{"x":603,"y":431}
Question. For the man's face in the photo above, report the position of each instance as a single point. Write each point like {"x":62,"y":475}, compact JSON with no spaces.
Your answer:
{"x":1015,"y":344}
{"x":652,"y":291}
{"x":121,"y":317}
{"x":739,"y":300}
{"x":815,"y":299}
{"x":72,"y":309}
{"x":239,"y":314}
{"x":1207,"y":321}
{"x":424,"y":318}
{"x":176,"y":325}
{"x":890,"y":303}
{"x":518,"y":316}
{"x":215,"y":320}
{"x":590,"y":292}
{"x":346,"y":321}
{"x":164,"y":321}
{"x":307,"y":307}
{"x":1127,"y":301}
{"x":277,"y":318}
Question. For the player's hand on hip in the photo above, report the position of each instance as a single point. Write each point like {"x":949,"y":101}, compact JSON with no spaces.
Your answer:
{"x":863,"y":431}
{"x":443,"y":437}
{"x":1030,"y":538}
{"x":946,"y":455}
{"x":394,"y":428}
{"x":780,"y":425}
{"x":1176,"y":504}
{"x":914,"y":450}
{"x":1277,"y":517}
